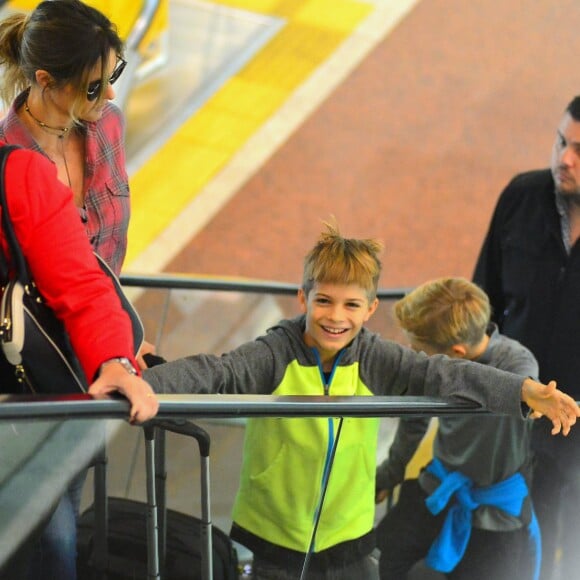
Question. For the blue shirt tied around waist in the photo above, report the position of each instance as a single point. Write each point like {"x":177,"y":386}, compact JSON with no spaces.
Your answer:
{"x":508,"y":495}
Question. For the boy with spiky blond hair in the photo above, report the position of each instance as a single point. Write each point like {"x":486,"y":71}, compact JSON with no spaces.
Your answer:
{"x":290,"y":465}
{"x":469,"y":513}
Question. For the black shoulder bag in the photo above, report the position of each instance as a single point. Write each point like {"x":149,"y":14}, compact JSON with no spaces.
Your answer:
{"x":33,"y":341}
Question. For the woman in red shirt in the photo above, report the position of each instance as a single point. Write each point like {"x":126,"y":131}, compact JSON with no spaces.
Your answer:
{"x":67,"y":274}
{"x":60,"y":62}
{"x":71,"y":281}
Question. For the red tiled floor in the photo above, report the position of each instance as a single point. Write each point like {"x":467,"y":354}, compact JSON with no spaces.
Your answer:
{"x":413,"y":148}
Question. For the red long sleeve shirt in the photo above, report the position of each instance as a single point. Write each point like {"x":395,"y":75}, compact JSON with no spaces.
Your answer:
{"x":61,"y":261}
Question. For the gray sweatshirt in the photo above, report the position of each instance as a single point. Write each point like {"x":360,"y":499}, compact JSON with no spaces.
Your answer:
{"x":381,"y":366}
{"x":486,"y":449}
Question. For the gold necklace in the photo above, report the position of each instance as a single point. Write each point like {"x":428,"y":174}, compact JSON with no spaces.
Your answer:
{"x":60,"y":131}
{"x":60,"y":134}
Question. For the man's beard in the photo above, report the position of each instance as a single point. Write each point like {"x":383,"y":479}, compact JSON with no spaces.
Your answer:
{"x":571,"y":197}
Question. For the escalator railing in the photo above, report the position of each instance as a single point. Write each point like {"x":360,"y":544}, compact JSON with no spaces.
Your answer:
{"x":190,"y":282}
{"x":133,"y":55}
{"x":43,"y":437}
{"x":227,"y":311}
{"x":67,"y":407}
{"x":67,"y":431}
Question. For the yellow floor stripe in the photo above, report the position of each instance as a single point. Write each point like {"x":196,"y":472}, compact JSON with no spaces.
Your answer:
{"x":203,"y":145}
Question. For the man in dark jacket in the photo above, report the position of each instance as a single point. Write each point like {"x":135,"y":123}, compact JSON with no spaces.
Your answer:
{"x":530,"y":268}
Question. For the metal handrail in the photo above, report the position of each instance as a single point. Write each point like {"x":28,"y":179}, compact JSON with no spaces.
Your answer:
{"x":190,"y":282}
{"x":132,"y":54}
{"x":142,"y":24}
{"x":20,"y":491}
{"x":14,"y":407}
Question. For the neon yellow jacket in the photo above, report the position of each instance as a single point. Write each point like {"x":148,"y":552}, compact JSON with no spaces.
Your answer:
{"x":285,"y":461}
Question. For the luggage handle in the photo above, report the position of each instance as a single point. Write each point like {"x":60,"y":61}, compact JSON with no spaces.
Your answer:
{"x":152,"y":526}
{"x":187,"y":428}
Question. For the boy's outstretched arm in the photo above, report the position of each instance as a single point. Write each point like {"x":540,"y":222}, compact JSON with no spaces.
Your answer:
{"x":548,"y":401}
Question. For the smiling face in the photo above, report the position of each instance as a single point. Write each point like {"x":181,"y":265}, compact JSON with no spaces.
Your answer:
{"x":335,"y":314}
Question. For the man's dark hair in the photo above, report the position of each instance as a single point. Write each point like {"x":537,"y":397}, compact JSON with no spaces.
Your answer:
{"x":574,"y":108}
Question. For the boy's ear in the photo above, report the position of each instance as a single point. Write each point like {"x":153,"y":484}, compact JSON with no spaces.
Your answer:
{"x":302,"y":300}
{"x":372,"y":309}
{"x":458,"y":350}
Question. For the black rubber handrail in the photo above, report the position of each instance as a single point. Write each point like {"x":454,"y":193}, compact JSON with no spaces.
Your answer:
{"x":190,"y":282}
{"x":13,"y":407}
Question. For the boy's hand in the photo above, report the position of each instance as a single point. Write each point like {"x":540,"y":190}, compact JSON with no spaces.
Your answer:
{"x":547,"y":400}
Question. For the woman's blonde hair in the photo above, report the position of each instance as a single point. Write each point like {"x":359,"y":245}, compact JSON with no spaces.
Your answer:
{"x":339,"y":260}
{"x":445,"y":312}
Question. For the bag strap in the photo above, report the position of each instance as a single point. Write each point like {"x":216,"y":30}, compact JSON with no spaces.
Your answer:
{"x":4,"y":268}
{"x":21,"y":266}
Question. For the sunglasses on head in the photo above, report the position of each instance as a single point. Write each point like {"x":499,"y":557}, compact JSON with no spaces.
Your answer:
{"x":94,"y":87}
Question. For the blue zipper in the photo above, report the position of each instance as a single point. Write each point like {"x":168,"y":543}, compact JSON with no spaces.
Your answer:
{"x":327,"y":460}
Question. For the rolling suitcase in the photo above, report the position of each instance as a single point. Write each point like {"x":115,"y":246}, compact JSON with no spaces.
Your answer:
{"x":120,"y":539}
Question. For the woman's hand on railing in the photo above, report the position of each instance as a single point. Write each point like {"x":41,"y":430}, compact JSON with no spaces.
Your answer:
{"x":114,"y":378}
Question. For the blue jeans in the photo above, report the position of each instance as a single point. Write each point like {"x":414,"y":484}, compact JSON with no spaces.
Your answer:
{"x":54,"y":554}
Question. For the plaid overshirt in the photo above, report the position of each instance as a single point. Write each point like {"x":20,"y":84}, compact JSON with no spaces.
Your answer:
{"x":106,"y":185}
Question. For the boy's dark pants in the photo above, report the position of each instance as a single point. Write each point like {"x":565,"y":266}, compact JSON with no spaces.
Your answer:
{"x":363,"y":569}
{"x":406,"y":533}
